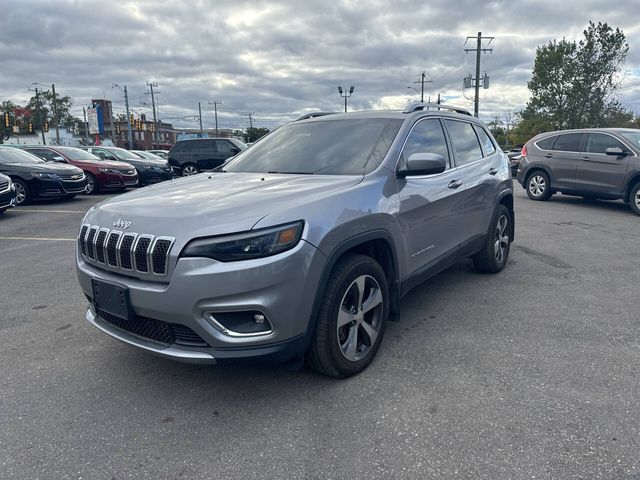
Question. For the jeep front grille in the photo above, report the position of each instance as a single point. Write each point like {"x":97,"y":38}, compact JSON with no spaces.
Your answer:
{"x":125,"y":252}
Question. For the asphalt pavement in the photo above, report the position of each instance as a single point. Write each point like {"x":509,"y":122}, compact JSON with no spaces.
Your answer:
{"x":530,"y":373}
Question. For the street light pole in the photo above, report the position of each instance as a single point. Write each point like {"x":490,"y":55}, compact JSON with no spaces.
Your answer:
{"x":215,"y":104}
{"x":344,"y":94}
{"x":200,"y":117}
{"x":153,"y":106}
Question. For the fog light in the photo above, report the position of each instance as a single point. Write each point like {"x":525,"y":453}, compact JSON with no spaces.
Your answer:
{"x":240,"y":324}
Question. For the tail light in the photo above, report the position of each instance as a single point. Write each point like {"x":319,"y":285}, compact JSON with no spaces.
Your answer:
{"x":524,"y":151}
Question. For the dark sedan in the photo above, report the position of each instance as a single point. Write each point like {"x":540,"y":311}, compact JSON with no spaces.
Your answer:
{"x":7,"y":193}
{"x":36,"y":179}
{"x":149,"y":171}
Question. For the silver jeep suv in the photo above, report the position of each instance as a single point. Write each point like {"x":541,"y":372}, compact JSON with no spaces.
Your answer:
{"x":303,"y":243}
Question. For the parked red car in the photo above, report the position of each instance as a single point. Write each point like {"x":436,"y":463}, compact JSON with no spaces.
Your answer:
{"x":102,"y":175}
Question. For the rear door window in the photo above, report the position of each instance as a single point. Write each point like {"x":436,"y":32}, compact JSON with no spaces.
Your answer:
{"x":569,"y":142}
{"x":599,"y":142}
{"x":466,"y":147}
{"x":225,"y":146}
{"x":487,"y":145}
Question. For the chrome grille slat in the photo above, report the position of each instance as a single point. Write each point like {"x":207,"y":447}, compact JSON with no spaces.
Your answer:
{"x":115,"y":250}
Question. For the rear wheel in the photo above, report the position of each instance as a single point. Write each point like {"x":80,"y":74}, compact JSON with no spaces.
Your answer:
{"x":634,"y":199}
{"x":493,"y":256}
{"x":351,"y":319}
{"x":23,"y":194}
{"x":189,"y":169}
{"x":92,"y":186}
{"x":539,"y":186}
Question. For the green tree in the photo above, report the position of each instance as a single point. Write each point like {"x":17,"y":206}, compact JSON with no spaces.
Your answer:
{"x":60,"y":115}
{"x":573,"y":84}
{"x":252,"y":134}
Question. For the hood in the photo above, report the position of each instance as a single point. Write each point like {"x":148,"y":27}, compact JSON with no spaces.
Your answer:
{"x":46,"y":167}
{"x":213,"y":204}
{"x":102,"y":163}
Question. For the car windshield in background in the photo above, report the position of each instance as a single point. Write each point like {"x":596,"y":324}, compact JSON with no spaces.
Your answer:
{"x":336,"y":147}
{"x":122,"y":153}
{"x":633,"y":137}
{"x":13,"y":155}
{"x":76,"y":153}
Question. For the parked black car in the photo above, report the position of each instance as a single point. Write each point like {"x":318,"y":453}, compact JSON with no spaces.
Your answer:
{"x":149,"y":171}
{"x":188,"y":157}
{"x":595,"y":163}
{"x":7,"y":193}
{"x":36,"y":179}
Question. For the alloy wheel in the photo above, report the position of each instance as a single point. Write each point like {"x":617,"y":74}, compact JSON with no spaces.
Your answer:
{"x":537,"y":185}
{"x":21,"y":193}
{"x":91,"y":185}
{"x":360,"y":318}
{"x":637,"y":199}
{"x":189,"y":170}
{"x":501,"y":239}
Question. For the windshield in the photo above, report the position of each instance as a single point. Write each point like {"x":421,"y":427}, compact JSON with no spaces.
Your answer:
{"x":633,"y":137}
{"x":13,"y":155}
{"x":76,"y":154}
{"x":122,"y":153}
{"x":336,"y":147}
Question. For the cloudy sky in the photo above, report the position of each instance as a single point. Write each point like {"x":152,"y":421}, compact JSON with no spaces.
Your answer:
{"x":279,"y":59}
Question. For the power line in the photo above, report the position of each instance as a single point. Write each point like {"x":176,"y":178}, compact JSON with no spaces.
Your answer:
{"x":422,"y":81}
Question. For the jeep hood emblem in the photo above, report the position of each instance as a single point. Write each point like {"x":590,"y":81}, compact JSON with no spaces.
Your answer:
{"x":123,"y":224}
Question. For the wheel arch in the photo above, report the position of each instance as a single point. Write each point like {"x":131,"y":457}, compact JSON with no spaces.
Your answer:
{"x":377,"y":244}
{"x":632,"y":182}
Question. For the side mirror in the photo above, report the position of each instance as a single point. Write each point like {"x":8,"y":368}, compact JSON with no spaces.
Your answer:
{"x":615,"y":151}
{"x":60,"y":159}
{"x":234,"y":151}
{"x":423,"y":164}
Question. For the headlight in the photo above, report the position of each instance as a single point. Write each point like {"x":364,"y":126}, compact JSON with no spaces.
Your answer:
{"x":148,"y":167}
{"x":244,"y":246}
{"x":44,"y":175}
{"x":107,"y":170}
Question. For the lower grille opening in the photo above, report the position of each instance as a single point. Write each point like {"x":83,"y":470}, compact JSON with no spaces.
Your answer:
{"x":156,"y":330}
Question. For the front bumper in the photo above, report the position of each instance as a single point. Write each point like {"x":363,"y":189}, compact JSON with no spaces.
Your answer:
{"x":282,"y":287}
{"x":8,"y":198}
{"x":51,"y":187}
{"x":110,"y":181}
{"x":153,"y":175}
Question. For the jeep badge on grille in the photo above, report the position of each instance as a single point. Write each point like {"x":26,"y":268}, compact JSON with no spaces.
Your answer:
{"x":123,"y":224}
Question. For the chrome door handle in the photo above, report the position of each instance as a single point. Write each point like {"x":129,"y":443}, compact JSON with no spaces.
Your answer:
{"x":493,"y":171}
{"x":548,"y":155}
{"x":454,"y":184}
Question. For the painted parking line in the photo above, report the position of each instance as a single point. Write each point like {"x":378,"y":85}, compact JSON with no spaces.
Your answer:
{"x":46,"y":211}
{"x":49,"y":239}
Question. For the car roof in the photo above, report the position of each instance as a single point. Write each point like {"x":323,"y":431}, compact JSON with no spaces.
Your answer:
{"x":390,"y":114}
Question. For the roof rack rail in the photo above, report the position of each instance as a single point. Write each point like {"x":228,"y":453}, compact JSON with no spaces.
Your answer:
{"x":313,"y":115}
{"x":415,"y":106}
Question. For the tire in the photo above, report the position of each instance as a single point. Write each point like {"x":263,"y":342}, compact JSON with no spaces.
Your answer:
{"x":189,"y":169}
{"x":634,"y":199}
{"x":538,"y":186}
{"x":23,"y":194}
{"x":345,"y":350}
{"x":91,"y":181}
{"x":495,"y":252}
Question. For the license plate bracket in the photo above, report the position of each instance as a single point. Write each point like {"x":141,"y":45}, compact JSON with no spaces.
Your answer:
{"x":113,"y":299}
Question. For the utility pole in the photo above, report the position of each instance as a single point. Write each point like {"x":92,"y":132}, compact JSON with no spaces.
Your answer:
{"x":215,"y":104}
{"x":153,"y":106}
{"x":86,"y":125}
{"x":200,"y":117}
{"x":478,"y":51}
{"x":422,"y":81}
{"x":55,"y":113}
{"x":129,"y":131}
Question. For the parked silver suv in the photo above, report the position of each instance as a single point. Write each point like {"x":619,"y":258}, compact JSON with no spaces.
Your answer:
{"x":593,"y":163}
{"x":303,"y":243}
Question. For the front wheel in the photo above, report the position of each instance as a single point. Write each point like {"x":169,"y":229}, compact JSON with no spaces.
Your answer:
{"x":23,"y":195}
{"x":495,"y":252}
{"x":351,"y":319}
{"x":539,"y":186}
{"x":92,"y":186}
{"x":634,"y":199}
